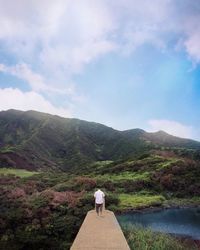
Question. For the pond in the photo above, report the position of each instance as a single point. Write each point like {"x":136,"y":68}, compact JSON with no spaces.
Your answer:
{"x":180,"y":221}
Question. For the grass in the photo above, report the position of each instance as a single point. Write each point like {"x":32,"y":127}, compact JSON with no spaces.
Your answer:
{"x":101,"y":163}
{"x":124,"y":176}
{"x":7,"y":149}
{"x":18,"y":172}
{"x":140,"y":238}
{"x":128,"y":201}
{"x":183,"y":201}
{"x":169,"y":163}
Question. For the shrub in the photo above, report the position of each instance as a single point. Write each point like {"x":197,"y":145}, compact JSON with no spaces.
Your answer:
{"x":85,"y":183}
{"x":112,"y":200}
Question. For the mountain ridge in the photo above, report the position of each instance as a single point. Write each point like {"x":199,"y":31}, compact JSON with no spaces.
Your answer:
{"x":38,"y":140}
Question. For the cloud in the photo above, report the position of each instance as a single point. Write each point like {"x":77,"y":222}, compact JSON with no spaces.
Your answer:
{"x":47,"y":43}
{"x":64,"y":37}
{"x":72,"y":60}
{"x":172,"y":127}
{"x":69,"y":34}
{"x":37,"y":82}
{"x":192,"y":46}
{"x":23,"y":72}
{"x":159,"y":23}
{"x":15,"y":99}
{"x":142,"y":22}
{"x":51,"y":46}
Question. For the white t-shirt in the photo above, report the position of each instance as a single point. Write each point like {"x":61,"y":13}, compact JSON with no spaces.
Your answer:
{"x":99,"y":197}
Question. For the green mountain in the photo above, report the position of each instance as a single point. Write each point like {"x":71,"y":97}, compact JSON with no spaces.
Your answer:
{"x":34,"y":140}
{"x":44,"y":209}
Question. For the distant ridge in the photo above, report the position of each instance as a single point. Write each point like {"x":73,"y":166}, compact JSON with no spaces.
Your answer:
{"x":36,"y":140}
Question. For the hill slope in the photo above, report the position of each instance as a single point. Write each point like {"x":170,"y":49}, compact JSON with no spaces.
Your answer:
{"x":35,"y":140}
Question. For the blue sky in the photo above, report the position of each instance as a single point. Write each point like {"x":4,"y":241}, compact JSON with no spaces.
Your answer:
{"x":124,"y":63}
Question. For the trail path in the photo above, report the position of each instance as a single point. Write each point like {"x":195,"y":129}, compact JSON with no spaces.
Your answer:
{"x":101,"y":233}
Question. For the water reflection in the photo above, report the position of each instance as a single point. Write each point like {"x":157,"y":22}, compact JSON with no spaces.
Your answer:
{"x":184,"y":221}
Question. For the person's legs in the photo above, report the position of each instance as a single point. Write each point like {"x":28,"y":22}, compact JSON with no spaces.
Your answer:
{"x":101,"y":208}
{"x":97,"y":208}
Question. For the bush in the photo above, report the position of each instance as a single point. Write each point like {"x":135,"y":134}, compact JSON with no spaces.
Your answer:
{"x":112,"y":200}
{"x":85,"y":183}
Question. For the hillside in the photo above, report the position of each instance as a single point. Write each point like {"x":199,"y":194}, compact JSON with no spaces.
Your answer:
{"x":44,"y":209}
{"x":34,"y":140}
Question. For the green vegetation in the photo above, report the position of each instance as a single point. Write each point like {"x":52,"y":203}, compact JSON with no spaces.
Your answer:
{"x":35,"y":140}
{"x":17,"y":172}
{"x":182,"y":201}
{"x":140,"y":238}
{"x":67,"y":159}
{"x":45,"y":210}
{"x":169,"y":163}
{"x":127,"y":201}
{"x":7,"y":149}
{"x":124,"y":176}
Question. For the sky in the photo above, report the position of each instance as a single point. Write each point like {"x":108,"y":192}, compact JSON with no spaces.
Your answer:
{"x":123,"y":63}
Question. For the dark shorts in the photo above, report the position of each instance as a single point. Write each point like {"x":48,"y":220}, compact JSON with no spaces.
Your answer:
{"x":99,"y":207}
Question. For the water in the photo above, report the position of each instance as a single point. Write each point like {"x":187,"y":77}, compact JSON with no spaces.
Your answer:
{"x":183,"y":221}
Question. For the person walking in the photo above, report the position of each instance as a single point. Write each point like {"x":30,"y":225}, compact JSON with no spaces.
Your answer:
{"x":99,"y":200}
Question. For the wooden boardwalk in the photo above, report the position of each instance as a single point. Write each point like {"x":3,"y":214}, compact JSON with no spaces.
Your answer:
{"x":101,"y":233}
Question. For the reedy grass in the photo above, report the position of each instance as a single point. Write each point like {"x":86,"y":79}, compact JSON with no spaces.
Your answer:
{"x":140,"y":238}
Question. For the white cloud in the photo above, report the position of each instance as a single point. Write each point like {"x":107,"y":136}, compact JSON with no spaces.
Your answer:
{"x":22,"y":71}
{"x":70,"y":34}
{"x":142,"y":22}
{"x":172,"y":127}
{"x":188,"y":29}
{"x":72,"y":60}
{"x":67,"y":35}
{"x":51,"y":41}
{"x":81,"y":37}
{"x":15,"y":99}
{"x":192,"y":44}
{"x":51,"y":46}
{"x":37,"y":82}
